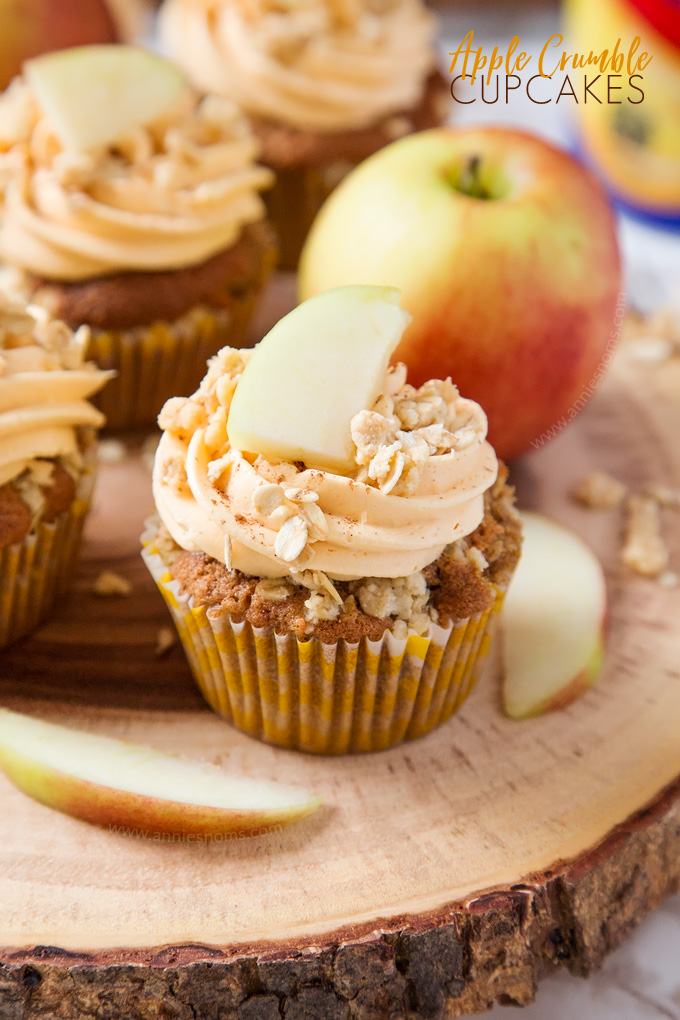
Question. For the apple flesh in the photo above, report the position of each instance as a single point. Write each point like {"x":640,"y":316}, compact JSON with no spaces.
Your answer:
{"x":93,"y":95}
{"x":321,"y":364}
{"x":553,"y":620}
{"x":114,"y":783}
{"x":31,"y":27}
{"x":505,"y":253}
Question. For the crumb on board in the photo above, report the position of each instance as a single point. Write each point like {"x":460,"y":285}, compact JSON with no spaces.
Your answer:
{"x":111,"y":585}
{"x":111,"y":451}
{"x":598,"y":491}
{"x":669,"y":579}
{"x":165,"y":640}
{"x":644,"y":550}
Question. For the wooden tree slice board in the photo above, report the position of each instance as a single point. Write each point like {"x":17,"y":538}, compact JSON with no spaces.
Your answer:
{"x":438,"y":878}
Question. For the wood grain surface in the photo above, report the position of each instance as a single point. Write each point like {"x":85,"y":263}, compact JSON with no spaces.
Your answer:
{"x":438,"y":878}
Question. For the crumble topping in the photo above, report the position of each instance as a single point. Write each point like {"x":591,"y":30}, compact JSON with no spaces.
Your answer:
{"x":598,"y":491}
{"x":643,"y":550}
{"x":405,"y":427}
{"x":111,"y":585}
{"x":25,"y":329}
{"x":393,"y":442}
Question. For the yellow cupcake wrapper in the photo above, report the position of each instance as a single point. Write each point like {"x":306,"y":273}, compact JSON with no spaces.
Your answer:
{"x":326,"y":698}
{"x":35,"y":572}
{"x":165,"y":359}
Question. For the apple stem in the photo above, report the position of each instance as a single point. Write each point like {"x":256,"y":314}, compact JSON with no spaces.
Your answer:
{"x":470,"y":182}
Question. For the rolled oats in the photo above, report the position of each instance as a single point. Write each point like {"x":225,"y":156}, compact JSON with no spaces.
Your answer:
{"x":267,"y":498}
{"x":316,"y":521}
{"x":228,"y":556}
{"x":291,"y":539}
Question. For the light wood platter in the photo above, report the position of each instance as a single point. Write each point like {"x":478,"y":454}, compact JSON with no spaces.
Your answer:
{"x":438,"y":878}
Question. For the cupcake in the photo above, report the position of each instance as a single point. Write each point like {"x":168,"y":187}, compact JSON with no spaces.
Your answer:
{"x":47,"y":461}
{"x":325,"y":85}
{"x":154,"y":238}
{"x":333,"y":544}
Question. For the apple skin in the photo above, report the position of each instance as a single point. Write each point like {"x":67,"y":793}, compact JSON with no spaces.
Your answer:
{"x":514,"y":297}
{"x":106,"y":806}
{"x":31,"y":27}
{"x":31,"y":750}
{"x":564,"y":697}
{"x":554,"y":622}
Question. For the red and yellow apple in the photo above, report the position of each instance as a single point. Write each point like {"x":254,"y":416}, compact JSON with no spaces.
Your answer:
{"x":30,"y":27}
{"x":505,"y":253}
{"x":553,"y":620}
{"x":114,"y":783}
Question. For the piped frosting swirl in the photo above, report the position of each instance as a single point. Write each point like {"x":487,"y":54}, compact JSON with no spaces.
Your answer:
{"x":422,"y":467}
{"x":168,"y":195}
{"x":44,"y":389}
{"x":317,"y":65}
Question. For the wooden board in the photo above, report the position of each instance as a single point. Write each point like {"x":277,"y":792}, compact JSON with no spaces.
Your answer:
{"x":440,"y":877}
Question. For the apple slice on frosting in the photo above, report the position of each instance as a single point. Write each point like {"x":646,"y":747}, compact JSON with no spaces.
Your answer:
{"x":114,"y":783}
{"x":93,"y":95}
{"x":321,"y":364}
{"x":553,"y":620}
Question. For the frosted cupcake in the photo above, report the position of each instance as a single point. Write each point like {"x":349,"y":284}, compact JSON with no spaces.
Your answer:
{"x":325,"y":85}
{"x":47,"y":461}
{"x":334,"y":544}
{"x":143,"y":221}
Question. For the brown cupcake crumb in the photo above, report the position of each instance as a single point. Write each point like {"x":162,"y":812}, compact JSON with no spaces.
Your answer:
{"x":126,"y":300}
{"x":285,"y":147}
{"x":15,"y":517}
{"x":59,"y":494}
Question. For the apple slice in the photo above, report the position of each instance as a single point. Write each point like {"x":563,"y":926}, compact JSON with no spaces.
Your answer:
{"x":93,"y":95}
{"x":318,"y":366}
{"x":553,"y":620}
{"x":113,"y":783}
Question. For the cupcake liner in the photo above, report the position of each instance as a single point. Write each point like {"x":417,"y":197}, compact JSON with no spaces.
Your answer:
{"x":326,"y":698}
{"x":165,"y":359}
{"x":35,"y":572}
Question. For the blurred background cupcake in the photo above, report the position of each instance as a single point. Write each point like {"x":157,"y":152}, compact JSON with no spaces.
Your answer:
{"x":146,"y":225}
{"x":325,"y":85}
{"x":47,"y":461}
{"x":334,"y":544}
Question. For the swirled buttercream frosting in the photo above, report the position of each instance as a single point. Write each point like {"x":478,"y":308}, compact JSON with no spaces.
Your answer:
{"x":45,"y":386}
{"x":318,"y":65}
{"x":169,"y":195}
{"x":422,"y":466}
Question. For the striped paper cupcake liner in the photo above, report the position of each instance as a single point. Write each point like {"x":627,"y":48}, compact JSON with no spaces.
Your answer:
{"x":163,"y":360}
{"x":326,"y":698}
{"x":35,"y":572}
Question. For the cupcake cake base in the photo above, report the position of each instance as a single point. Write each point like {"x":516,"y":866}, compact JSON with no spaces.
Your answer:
{"x":157,"y":330}
{"x":356,"y":683}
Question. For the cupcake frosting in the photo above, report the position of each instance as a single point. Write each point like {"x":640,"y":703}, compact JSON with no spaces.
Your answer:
{"x":166,"y":196}
{"x":317,"y":65}
{"x":44,"y":389}
{"x":422,"y":467}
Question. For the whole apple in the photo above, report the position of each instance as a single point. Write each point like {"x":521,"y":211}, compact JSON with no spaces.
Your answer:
{"x":505,"y":252}
{"x":31,"y":27}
